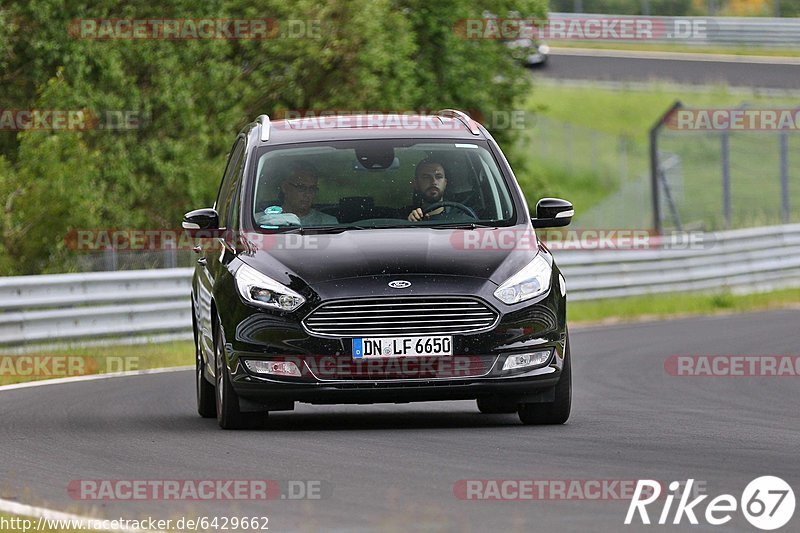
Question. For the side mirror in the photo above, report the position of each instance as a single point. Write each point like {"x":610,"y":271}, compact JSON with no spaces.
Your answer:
{"x":552,"y":213}
{"x":201,"y":222}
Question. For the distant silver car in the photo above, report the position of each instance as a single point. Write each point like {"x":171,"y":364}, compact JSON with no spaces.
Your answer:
{"x":530,"y":52}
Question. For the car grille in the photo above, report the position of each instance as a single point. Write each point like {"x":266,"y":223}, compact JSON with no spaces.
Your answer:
{"x":400,"y":316}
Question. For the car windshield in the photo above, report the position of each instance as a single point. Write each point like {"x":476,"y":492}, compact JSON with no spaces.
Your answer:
{"x":378,"y":183}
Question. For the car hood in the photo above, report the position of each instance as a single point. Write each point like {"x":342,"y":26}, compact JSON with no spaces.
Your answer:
{"x":493,"y":254}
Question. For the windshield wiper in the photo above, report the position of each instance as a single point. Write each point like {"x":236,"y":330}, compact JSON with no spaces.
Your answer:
{"x":321,"y":229}
{"x":460,"y":225}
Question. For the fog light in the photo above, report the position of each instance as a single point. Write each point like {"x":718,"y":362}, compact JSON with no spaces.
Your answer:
{"x":524,"y":360}
{"x":277,"y":368}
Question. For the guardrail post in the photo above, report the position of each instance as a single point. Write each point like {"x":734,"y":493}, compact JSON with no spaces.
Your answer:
{"x":786,"y":212}
{"x":726,"y":179}
{"x":654,"y":181}
{"x":110,"y":259}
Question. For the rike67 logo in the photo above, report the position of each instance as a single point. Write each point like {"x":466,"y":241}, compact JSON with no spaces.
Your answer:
{"x":767,"y":502}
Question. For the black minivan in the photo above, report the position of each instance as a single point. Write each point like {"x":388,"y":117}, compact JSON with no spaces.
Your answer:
{"x":376,"y":258}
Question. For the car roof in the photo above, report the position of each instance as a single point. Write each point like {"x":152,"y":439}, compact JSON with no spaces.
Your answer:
{"x":337,"y":127}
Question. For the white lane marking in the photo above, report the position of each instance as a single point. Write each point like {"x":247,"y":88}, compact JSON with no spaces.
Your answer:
{"x":676,"y":56}
{"x":43,"y":514}
{"x":93,"y":377}
{"x":19,"y":509}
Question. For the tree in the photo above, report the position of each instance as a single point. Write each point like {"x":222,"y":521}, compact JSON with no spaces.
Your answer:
{"x":193,"y":95}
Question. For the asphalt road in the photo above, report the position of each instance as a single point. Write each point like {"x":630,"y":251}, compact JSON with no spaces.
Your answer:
{"x":393,"y":467}
{"x":570,"y":64}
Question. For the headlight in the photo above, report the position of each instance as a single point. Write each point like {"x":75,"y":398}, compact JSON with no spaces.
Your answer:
{"x":263,"y":291}
{"x":528,"y":283}
{"x":544,"y":49}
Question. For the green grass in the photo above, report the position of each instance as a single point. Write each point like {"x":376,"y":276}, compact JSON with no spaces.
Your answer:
{"x":678,"y":304}
{"x":628,"y":112}
{"x":656,"y":47}
{"x":98,"y":360}
{"x":577,"y":137}
{"x":582,"y":187}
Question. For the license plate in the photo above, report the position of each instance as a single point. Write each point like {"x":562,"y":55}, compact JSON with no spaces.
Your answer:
{"x":376,"y":347}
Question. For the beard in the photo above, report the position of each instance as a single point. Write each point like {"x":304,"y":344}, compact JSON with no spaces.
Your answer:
{"x":432,"y":195}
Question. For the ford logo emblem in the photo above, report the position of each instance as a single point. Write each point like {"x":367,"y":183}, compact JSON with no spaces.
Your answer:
{"x":399,"y":284}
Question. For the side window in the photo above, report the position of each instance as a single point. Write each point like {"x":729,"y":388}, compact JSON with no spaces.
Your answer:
{"x":226,"y":188}
{"x":235,"y":198}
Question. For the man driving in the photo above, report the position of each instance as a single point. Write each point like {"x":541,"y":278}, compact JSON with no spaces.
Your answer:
{"x":430,"y":182}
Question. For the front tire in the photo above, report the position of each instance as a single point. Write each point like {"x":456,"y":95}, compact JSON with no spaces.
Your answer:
{"x":227,"y":402}
{"x":206,"y":404}
{"x":556,"y":412}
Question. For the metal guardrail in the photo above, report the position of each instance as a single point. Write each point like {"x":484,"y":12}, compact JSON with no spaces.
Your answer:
{"x":745,"y":260}
{"x":67,"y":308}
{"x":719,"y":31}
{"x":74,"y":307}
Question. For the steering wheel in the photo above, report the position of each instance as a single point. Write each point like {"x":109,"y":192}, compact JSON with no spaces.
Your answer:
{"x":457,"y":205}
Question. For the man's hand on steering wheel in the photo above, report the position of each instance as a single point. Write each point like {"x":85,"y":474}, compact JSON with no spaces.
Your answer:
{"x":416,"y":215}
{"x":419,"y":213}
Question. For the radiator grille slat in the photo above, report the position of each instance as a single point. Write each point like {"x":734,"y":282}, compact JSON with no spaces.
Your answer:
{"x":406,"y":316}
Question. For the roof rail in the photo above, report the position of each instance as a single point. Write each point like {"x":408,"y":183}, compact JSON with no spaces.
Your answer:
{"x":463,"y":117}
{"x":264,"y":121}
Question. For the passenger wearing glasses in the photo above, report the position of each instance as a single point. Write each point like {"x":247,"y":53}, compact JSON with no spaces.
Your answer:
{"x":298,"y":190}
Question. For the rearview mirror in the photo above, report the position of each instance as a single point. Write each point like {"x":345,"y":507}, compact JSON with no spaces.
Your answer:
{"x":552,"y":213}
{"x":201,"y":222}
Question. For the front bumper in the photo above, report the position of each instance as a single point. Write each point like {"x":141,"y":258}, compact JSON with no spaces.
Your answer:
{"x":260,"y":393}
{"x":328,"y":373}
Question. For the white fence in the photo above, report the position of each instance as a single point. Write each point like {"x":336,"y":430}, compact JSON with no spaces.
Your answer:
{"x":64,"y":308}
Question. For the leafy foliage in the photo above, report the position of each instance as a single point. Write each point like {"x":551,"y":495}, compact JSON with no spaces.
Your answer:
{"x":194,"y":95}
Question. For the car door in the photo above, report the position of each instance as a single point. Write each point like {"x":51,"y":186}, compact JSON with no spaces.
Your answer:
{"x":208,"y":264}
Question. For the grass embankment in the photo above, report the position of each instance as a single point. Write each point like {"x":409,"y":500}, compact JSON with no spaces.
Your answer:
{"x":97,"y":360}
{"x":650,"y":307}
{"x":587,"y":142}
